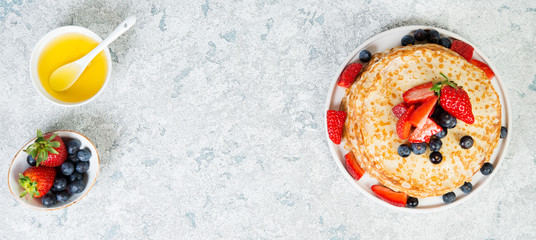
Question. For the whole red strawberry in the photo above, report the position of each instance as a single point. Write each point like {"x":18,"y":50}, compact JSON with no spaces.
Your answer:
{"x":455,"y":100}
{"x":37,"y":181}
{"x":335,"y":125}
{"x":349,"y":75}
{"x":48,"y":150}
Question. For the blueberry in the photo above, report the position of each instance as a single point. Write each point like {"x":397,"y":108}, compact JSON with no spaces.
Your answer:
{"x":466,"y":142}
{"x":63,"y":196}
{"x":442,"y":134}
{"x":76,"y":176}
{"x":365,"y":56}
{"x":73,"y":146}
{"x":49,"y":199}
{"x":31,"y":160}
{"x":436,"y":157}
{"x":76,"y":187}
{"x":445,"y":42}
{"x":404,"y":150}
{"x":82,"y":167}
{"x":73,"y":158}
{"x":60,"y":183}
{"x":504,"y":133}
{"x":418,"y":148}
{"x":84,"y":155}
{"x":435,"y":144}
{"x":407,"y":40}
{"x":67,"y":168}
{"x":467,"y":187}
{"x":420,"y":35}
{"x":438,"y":110}
{"x":487,"y":168}
{"x":433,"y":36}
{"x":449,"y":197}
{"x":412,"y":202}
{"x":446,"y":120}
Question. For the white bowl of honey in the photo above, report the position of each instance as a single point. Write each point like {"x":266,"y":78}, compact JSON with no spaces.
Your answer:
{"x":64,"y":45}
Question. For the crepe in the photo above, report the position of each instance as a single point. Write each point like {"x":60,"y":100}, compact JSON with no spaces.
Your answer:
{"x":370,"y":128}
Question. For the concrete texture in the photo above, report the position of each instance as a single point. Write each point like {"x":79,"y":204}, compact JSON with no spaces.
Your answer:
{"x":212,"y":126}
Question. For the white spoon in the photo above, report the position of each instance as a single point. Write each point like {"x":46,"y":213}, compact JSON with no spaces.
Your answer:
{"x":65,"y":76}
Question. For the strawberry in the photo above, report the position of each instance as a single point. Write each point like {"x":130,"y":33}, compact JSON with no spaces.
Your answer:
{"x":454,"y":100}
{"x":335,"y":125}
{"x":419,"y":116}
{"x":349,"y":74}
{"x":403,"y":126}
{"x":400,"y":109}
{"x":484,"y":68}
{"x":48,"y":150}
{"x":398,"y":199}
{"x":418,"y":94}
{"x":424,"y":133}
{"x":353,"y":167}
{"x":37,"y":181}
{"x":464,"y":49}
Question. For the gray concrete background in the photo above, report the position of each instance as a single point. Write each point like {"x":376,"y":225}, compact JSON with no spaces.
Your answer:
{"x":212,"y":126}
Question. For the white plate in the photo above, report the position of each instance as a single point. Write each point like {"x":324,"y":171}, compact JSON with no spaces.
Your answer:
{"x":380,"y":43}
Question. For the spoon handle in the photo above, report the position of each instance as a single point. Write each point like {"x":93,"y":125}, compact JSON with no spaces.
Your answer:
{"x":122,"y":28}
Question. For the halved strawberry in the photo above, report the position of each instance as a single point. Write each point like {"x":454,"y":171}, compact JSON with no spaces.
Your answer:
{"x":400,"y":109}
{"x":418,"y":94}
{"x":464,"y":49}
{"x":335,"y":125}
{"x":484,"y":68}
{"x":398,"y":199}
{"x":424,"y":133}
{"x":349,"y":74}
{"x":353,"y":167}
{"x":403,"y":126}
{"x":419,"y":116}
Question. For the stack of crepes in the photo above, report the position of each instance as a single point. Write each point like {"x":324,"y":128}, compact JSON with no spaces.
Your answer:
{"x":370,"y":128}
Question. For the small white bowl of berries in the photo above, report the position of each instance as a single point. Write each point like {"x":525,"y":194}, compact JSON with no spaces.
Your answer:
{"x":54,"y":170}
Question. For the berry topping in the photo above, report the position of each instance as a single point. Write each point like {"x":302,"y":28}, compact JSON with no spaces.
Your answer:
{"x":464,"y":49}
{"x":73,"y":146}
{"x":76,"y":176}
{"x":436,"y":157}
{"x":419,"y":93}
{"x":466,"y":142}
{"x":335,"y":120}
{"x":487,"y":70}
{"x":424,"y":133}
{"x":398,"y":199}
{"x":49,"y":199}
{"x":349,"y":74}
{"x":63,"y":196}
{"x":48,"y":150}
{"x":433,"y":36}
{"x":445,"y":42}
{"x":82,"y":167}
{"x":400,"y":109}
{"x":449,"y":197}
{"x":365,"y":56}
{"x":420,"y":115}
{"x":76,"y":186}
{"x":504,"y":132}
{"x":435,"y":144}
{"x":67,"y":168}
{"x":37,"y":181}
{"x":420,"y":35}
{"x":407,"y":40}
{"x":454,"y":100}
{"x":467,"y":187}
{"x":418,"y":148}
{"x":84,"y":155}
{"x":441,"y":134}
{"x":31,"y":160}
{"x":487,"y":168}
{"x":403,"y":125}
{"x":404,"y":150}
{"x":412,"y":202}
{"x":447,"y":121}
{"x":353,"y":167}
{"x":60,"y":183}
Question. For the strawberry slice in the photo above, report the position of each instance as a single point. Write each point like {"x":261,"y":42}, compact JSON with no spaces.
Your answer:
{"x":353,"y":167}
{"x":403,"y":126}
{"x":464,"y":49}
{"x":398,"y":199}
{"x":418,"y":94}
{"x":335,"y":121}
{"x":419,"y":116}
{"x":484,"y":68}
{"x":424,"y":133}
{"x":349,"y":74}
{"x":400,"y":109}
